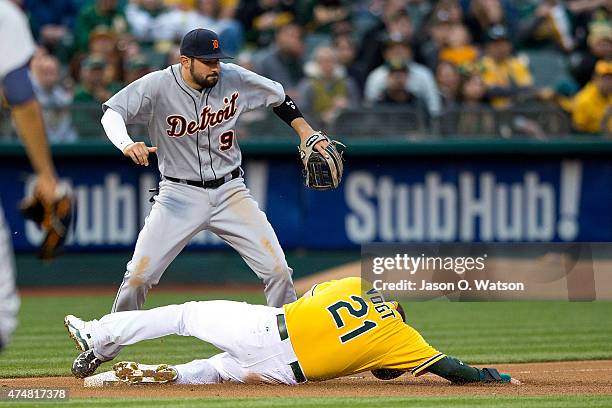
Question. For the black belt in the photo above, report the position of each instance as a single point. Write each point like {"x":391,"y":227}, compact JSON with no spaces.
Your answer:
{"x":284,"y":335}
{"x":216,"y":183}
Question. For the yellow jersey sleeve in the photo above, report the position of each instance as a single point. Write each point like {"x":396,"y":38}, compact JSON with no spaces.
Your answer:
{"x":346,"y":327}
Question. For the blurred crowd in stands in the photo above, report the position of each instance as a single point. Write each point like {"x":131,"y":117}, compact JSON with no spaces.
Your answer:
{"x":481,"y":67}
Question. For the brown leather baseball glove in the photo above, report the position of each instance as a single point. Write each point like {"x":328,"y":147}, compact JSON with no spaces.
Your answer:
{"x":52,"y":218}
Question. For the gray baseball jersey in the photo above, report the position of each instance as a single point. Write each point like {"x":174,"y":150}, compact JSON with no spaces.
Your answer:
{"x":195,"y":132}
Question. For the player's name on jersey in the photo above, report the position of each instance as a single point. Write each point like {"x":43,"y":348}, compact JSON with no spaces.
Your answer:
{"x":180,"y":126}
{"x":406,"y":285}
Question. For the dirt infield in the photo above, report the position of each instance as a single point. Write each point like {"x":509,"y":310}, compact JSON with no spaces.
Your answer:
{"x":561,"y":378}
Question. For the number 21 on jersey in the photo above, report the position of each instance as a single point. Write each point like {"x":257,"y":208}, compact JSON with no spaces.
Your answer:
{"x":358,"y":309}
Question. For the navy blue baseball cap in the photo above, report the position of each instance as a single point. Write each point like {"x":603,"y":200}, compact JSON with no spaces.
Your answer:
{"x":202,"y":43}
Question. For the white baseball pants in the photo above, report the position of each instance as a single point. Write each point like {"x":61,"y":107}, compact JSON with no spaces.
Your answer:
{"x":248,"y":335}
{"x":9,"y":299}
{"x":180,"y":212}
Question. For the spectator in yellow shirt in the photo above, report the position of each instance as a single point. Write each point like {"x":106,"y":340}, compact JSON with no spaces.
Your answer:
{"x":459,"y":49}
{"x":506,"y":76}
{"x":592,"y":110}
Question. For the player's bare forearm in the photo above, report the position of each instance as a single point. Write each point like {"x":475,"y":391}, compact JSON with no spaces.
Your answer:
{"x":29,"y":123}
{"x":302,"y":128}
{"x":30,"y":126}
{"x":290,"y":114}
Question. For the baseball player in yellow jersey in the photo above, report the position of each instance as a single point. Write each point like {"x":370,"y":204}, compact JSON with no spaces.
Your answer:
{"x":355,"y":330}
{"x":338,"y":328}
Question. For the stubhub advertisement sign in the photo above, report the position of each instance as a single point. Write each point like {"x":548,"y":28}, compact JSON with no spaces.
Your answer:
{"x":402,"y":200}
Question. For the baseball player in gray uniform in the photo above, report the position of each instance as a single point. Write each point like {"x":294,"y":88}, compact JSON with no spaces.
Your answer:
{"x":16,"y":49}
{"x":191,"y":110}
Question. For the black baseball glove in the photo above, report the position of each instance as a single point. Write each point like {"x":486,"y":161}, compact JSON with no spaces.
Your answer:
{"x":52,"y":218}
{"x":321,"y":172}
{"x":387,"y":373}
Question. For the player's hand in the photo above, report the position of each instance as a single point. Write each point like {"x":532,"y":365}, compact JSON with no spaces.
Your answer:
{"x":322,"y":162}
{"x":320,"y":147}
{"x":509,"y":379}
{"x":45,"y":187}
{"x":139,"y":153}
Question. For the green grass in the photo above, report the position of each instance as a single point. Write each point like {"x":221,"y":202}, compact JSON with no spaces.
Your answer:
{"x":495,"y":332}
{"x":433,"y":402}
{"x":477,"y":332}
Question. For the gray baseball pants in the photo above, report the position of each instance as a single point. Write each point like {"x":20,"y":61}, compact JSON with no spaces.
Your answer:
{"x":179,"y":213}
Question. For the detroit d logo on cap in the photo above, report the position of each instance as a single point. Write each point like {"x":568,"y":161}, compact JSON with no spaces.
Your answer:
{"x":215,"y":44}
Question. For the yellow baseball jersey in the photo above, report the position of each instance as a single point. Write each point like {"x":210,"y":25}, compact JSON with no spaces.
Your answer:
{"x":343,"y":327}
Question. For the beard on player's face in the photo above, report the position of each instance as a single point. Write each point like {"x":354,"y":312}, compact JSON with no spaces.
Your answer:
{"x":205,"y":81}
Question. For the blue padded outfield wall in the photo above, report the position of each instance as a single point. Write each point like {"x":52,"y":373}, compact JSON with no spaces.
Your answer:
{"x":443,"y":193}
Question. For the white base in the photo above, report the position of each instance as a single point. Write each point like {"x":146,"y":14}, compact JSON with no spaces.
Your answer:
{"x":107,"y":378}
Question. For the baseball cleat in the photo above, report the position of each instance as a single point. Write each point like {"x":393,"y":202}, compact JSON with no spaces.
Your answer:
{"x":134,"y":373}
{"x":76,"y":331}
{"x":85,"y":364}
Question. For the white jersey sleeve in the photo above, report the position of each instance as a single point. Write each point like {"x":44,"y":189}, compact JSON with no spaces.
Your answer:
{"x":135,"y":103}
{"x":16,"y":43}
{"x":115,"y":129}
{"x":259,"y":91}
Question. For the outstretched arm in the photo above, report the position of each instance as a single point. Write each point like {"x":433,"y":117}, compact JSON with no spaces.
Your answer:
{"x":291,"y":115}
{"x":456,"y":371}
